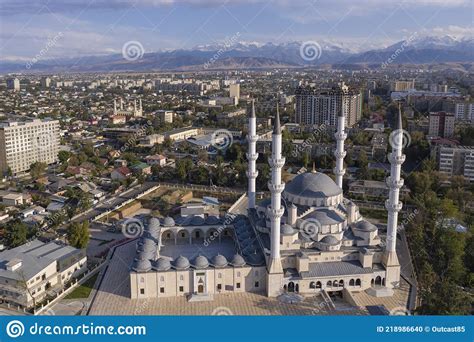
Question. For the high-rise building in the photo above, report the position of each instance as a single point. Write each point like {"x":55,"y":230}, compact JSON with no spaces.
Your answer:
{"x":455,"y":161}
{"x":323,"y":106}
{"x":441,"y":124}
{"x":403,"y":85}
{"x":24,"y":143}
{"x":464,"y":111}
{"x":45,"y":82}
{"x":234,"y":90}
{"x":13,"y":84}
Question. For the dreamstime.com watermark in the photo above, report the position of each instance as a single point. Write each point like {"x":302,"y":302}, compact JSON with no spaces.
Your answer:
{"x":50,"y":44}
{"x":228,"y":43}
{"x":229,"y":218}
{"x":307,"y":143}
{"x":15,"y":329}
{"x":398,"y":51}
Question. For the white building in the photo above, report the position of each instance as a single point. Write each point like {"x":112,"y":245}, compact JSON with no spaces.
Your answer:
{"x":464,"y":111}
{"x":307,"y":238}
{"x":24,"y":143}
{"x":13,"y":84}
{"x":165,"y":115}
{"x":455,"y":160}
{"x":30,"y":270}
{"x":234,"y":90}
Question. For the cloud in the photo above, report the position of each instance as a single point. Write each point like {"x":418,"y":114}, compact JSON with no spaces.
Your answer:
{"x":18,"y":7}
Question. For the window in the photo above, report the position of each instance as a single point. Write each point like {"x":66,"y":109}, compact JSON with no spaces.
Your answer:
{"x":238,"y":274}
{"x":142,"y":279}
{"x":237,"y":285}
{"x":142,"y":291}
{"x":162,"y":278}
{"x":162,"y":290}
{"x":181,"y":289}
{"x":219,"y":287}
{"x":257,"y":284}
{"x":181,"y":277}
{"x":219,"y":275}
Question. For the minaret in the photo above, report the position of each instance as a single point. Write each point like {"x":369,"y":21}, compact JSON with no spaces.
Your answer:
{"x":276,"y":161}
{"x":135,"y":107}
{"x":252,"y":156}
{"x":115,"y":106}
{"x":121,"y":104}
{"x":393,"y":205}
{"x":340,"y":136}
{"x":141,"y":108}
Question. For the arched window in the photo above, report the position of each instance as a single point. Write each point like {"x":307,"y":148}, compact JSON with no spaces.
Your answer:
{"x":318,"y":285}
{"x":312,"y":285}
{"x":181,"y":277}
{"x":378,"y":280}
{"x":358,"y":282}
{"x":341,"y":283}
{"x":329,"y":284}
{"x":335,"y":283}
{"x":351,"y":282}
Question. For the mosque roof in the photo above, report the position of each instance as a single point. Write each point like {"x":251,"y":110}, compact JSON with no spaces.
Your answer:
{"x":313,"y":185}
{"x":238,"y":260}
{"x":201,"y":262}
{"x":162,"y":264}
{"x":219,"y":261}
{"x":181,"y":263}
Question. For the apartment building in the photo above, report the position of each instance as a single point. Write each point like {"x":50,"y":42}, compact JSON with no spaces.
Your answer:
{"x":455,"y":160}
{"x":464,"y":111}
{"x":24,"y":143}
{"x":30,"y":270}
{"x":441,"y":124}
{"x":322,"y":106}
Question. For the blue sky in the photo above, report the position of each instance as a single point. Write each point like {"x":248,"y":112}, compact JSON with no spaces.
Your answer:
{"x":85,"y":27}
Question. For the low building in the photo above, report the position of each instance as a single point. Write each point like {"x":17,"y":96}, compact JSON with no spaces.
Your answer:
{"x":156,"y":159}
{"x":373,"y":189}
{"x":27,"y":272}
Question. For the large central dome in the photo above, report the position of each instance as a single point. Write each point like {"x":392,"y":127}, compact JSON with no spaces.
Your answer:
{"x":313,"y":189}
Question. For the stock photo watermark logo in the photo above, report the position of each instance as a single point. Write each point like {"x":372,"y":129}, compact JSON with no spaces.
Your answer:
{"x":228,"y":43}
{"x":310,"y":51}
{"x":310,"y":228}
{"x":222,"y":311}
{"x":15,"y":329}
{"x":50,"y":44}
{"x":132,"y":228}
{"x":222,"y":139}
{"x":395,"y":141}
{"x":132,"y":50}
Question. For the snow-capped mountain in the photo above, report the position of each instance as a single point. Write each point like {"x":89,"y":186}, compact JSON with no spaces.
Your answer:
{"x":232,"y":53}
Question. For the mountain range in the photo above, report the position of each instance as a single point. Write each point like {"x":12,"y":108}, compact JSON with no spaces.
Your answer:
{"x":244,"y":55}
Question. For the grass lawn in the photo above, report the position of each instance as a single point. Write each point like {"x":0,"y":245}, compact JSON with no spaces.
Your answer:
{"x":374,"y":213}
{"x":84,"y":290}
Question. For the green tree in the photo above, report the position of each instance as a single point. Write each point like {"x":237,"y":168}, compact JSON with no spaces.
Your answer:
{"x":16,"y":233}
{"x":37,"y":169}
{"x":78,"y":234}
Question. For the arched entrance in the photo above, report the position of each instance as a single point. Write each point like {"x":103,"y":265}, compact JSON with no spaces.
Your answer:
{"x":291,"y":287}
{"x":200,"y":288}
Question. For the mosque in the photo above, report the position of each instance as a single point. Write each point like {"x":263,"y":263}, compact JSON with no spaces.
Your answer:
{"x":306,"y":238}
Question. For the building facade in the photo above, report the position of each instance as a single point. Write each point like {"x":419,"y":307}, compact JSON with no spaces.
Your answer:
{"x":24,"y":143}
{"x":32,"y":269}
{"x":441,"y":124}
{"x":322,"y":106}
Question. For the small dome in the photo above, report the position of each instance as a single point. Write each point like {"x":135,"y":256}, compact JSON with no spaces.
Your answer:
{"x":287,"y":230}
{"x":153,"y":223}
{"x":168,"y":222}
{"x":219,"y":261}
{"x":197,"y":221}
{"x":201,"y":262}
{"x":181,"y":263}
{"x":148,"y":245}
{"x":313,"y":184}
{"x":141,"y":265}
{"x":238,"y":260}
{"x":162,"y":264}
{"x":330,"y":240}
{"x":365,"y":226}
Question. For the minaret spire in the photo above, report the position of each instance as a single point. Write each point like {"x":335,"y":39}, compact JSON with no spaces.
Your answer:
{"x":252,"y":156}
{"x":393,"y":205}
{"x":276,"y":161}
{"x":115,"y":106}
{"x":340,"y":136}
